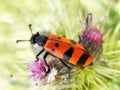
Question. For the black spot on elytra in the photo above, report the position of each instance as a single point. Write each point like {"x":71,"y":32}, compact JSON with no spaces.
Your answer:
{"x":82,"y":59}
{"x":59,"y":37}
{"x":68,"y":54}
{"x":56,"y":44}
{"x":52,"y":50}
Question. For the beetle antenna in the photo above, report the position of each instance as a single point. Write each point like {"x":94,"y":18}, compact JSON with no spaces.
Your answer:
{"x":30,"y":27}
{"x":21,"y":41}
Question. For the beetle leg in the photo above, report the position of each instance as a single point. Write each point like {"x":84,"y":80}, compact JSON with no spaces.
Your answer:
{"x":46,"y":54}
{"x":39,"y":54}
{"x":68,"y":67}
{"x":91,"y":64}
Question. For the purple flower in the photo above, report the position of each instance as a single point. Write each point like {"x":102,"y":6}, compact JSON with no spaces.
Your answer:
{"x":93,"y":35}
{"x":39,"y":73}
{"x":92,"y":38}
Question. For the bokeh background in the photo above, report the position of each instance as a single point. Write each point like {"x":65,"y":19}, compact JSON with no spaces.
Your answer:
{"x":53,"y":16}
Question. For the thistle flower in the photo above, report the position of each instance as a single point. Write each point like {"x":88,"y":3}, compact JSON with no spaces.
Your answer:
{"x":92,"y":38}
{"x":39,"y":72}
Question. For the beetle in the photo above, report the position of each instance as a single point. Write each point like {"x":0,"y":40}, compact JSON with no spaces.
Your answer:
{"x":67,"y":51}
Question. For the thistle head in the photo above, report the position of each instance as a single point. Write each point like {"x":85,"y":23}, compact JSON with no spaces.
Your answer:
{"x":92,"y":38}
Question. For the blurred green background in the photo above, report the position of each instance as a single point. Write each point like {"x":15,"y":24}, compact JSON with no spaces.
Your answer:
{"x":54,"y":16}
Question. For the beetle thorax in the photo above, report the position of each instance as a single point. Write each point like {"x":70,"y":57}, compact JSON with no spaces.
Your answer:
{"x":38,"y":39}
